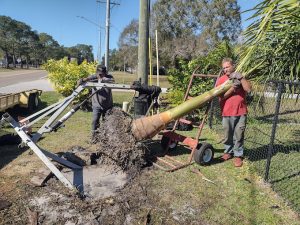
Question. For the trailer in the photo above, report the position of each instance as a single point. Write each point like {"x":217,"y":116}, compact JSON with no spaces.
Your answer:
{"x":28,"y":99}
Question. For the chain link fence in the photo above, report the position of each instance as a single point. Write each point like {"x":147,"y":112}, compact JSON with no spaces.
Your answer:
{"x":272,"y":137}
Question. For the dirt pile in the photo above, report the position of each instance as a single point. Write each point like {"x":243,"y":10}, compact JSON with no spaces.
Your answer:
{"x":117,"y":146}
{"x":112,"y":188}
{"x":107,"y":184}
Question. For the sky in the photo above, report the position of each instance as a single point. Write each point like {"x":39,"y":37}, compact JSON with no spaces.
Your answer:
{"x":72,"y":22}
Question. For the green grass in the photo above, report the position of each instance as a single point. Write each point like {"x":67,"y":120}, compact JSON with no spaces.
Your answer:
{"x":238,"y":196}
{"x":284,"y":169}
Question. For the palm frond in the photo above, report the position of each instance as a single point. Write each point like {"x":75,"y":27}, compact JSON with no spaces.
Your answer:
{"x":275,"y":31}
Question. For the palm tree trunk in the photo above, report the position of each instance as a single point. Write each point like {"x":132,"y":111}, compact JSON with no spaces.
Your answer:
{"x":147,"y":127}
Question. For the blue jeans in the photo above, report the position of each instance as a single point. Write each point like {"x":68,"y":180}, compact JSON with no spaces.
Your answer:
{"x":97,"y":113}
{"x":234,"y":127}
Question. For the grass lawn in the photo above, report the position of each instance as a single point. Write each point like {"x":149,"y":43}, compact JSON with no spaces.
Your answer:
{"x":284,"y":169}
{"x":238,"y":196}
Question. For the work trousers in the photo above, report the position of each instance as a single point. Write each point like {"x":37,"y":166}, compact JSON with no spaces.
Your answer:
{"x":97,"y":113}
{"x":234,"y":130}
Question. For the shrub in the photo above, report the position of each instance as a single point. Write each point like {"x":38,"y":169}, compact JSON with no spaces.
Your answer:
{"x":64,"y":74}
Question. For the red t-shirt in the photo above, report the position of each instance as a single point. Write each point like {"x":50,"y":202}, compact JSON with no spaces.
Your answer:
{"x":235,"y":105}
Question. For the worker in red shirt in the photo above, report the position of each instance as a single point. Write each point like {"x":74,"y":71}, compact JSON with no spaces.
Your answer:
{"x":234,"y":112}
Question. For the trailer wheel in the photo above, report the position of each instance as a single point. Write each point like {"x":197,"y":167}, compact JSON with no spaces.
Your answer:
{"x":33,"y":102}
{"x":204,"y":153}
{"x":165,"y":143}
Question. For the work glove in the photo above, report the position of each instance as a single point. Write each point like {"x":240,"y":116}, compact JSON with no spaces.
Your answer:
{"x":236,"y":79}
{"x":236,"y":75}
{"x":136,"y":85}
{"x":80,"y":81}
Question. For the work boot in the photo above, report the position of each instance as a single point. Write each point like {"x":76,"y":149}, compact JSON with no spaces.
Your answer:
{"x":238,"y":161}
{"x":226,"y":156}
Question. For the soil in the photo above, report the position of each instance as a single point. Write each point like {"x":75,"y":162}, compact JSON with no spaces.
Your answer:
{"x":117,"y":146}
{"x":113,"y":191}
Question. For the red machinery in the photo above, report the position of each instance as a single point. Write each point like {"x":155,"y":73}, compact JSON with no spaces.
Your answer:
{"x":202,"y":153}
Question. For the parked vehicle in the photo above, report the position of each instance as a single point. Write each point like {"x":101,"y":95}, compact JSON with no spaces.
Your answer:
{"x":26,"y":99}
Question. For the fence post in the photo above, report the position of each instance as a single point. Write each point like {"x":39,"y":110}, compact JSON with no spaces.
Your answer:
{"x":274,"y":126}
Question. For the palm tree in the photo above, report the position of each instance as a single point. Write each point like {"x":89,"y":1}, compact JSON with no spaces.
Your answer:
{"x":272,"y":41}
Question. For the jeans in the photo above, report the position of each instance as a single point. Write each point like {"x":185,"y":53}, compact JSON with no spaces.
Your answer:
{"x":97,"y":113}
{"x":234,"y":129}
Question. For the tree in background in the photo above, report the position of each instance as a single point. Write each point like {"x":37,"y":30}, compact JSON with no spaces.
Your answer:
{"x":81,"y":52}
{"x":272,"y":41}
{"x":188,"y":29}
{"x":128,"y":45}
{"x":7,"y":27}
{"x":115,"y":60}
{"x":52,"y":49}
{"x":126,"y":56}
{"x":206,"y":64}
{"x":19,"y":42}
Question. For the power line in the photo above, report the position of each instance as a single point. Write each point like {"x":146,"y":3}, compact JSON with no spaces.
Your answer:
{"x":99,"y":27}
{"x":107,"y":25}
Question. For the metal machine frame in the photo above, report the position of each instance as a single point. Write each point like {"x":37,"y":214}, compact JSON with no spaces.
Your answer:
{"x":171,"y":138}
{"x":52,"y":124}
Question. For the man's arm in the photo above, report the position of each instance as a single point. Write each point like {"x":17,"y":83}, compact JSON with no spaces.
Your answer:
{"x":228,"y":93}
{"x":240,"y":81}
{"x":89,"y":78}
{"x":246,"y":85}
{"x":243,"y":83}
{"x":108,"y":79}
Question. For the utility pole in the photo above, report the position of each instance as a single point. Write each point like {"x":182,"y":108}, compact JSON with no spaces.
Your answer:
{"x":143,"y":41}
{"x":107,"y":26}
{"x":107,"y":23}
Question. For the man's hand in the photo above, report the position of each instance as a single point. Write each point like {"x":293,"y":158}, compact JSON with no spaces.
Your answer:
{"x":236,"y":79}
{"x":236,"y":83}
{"x":236,"y":75}
{"x":80,"y":81}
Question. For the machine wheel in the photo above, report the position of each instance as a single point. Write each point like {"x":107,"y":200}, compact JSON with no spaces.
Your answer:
{"x":165,"y":142}
{"x":33,"y":102}
{"x":204,"y":153}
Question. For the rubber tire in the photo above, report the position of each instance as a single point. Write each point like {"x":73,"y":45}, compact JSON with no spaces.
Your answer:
{"x":200,"y":154}
{"x":33,"y":102}
{"x":165,"y":142}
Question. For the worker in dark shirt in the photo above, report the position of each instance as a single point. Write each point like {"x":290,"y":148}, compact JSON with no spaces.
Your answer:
{"x":102,"y":100}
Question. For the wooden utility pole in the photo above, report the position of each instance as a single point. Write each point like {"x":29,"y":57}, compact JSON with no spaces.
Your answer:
{"x":143,"y":41}
{"x":157,"y":61}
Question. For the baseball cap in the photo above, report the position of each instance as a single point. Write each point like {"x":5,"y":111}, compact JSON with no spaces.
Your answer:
{"x":101,"y":68}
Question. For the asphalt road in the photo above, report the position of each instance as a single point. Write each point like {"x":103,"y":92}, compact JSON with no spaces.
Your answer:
{"x":21,"y":80}
{"x":20,"y":76}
